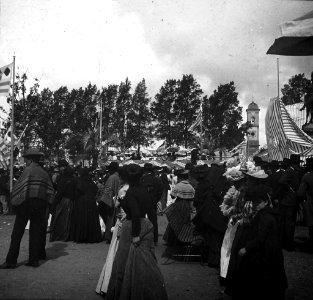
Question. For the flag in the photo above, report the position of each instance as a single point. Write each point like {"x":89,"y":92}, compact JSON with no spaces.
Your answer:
{"x":5,"y":79}
{"x":197,"y":122}
{"x":296,"y":39}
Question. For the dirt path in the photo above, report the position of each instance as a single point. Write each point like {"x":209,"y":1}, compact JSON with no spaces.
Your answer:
{"x":72,"y":270}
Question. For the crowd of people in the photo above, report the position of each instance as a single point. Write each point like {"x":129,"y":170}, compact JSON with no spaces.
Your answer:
{"x":240,"y":218}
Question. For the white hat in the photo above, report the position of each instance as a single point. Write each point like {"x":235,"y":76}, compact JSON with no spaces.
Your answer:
{"x":260,"y":174}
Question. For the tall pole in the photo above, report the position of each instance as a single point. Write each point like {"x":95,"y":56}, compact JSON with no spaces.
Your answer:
{"x":100,"y":120}
{"x":12,"y":130}
{"x":278,"y":78}
{"x":201,"y":128}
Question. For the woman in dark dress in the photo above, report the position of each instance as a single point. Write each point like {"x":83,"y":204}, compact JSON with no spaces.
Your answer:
{"x":259,"y":272}
{"x":86,"y":224}
{"x":60,"y":229}
{"x":135,"y":272}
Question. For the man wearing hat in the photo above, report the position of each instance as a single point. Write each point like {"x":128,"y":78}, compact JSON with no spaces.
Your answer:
{"x":306,"y":192}
{"x":31,"y":195}
{"x":106,"y":199}
{"x":154,"y":186}
{"x":288,"y":205}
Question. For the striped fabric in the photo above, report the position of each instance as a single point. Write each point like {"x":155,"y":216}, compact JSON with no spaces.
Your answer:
{"x":283,"y":135}
{"x":298,"y":116}
{"x":5,"y":79}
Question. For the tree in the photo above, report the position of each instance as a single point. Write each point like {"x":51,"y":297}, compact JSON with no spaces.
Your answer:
{"x":295,"y":89}
{"x":163,"y":111}
{"x":186,"y":107}
{"x":122,"y":109}
{"x":139,"y":117}
{"x":51,"y":120}
{"x":222,"y":116}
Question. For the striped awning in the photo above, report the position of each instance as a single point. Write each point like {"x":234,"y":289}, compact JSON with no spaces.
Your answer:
{"x":283,"y":135}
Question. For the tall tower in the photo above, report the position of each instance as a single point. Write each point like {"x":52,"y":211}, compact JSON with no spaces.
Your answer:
{"x":253,"y":132}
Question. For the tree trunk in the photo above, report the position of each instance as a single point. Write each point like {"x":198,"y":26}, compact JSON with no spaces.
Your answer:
{"x":220,"y":153}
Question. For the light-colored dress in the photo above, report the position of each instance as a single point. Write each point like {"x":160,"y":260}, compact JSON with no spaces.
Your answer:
{"x":104,"y":279}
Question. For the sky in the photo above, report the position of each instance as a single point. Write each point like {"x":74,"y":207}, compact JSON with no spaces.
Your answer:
{"x":73,"y":42}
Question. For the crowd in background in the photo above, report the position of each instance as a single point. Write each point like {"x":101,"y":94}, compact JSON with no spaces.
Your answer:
{"x":240,"y":218}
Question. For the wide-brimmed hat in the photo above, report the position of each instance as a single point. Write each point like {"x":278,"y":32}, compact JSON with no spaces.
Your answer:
{"x":233,"y":174}
{"x":148,"y":167}
{"x":274,"y":163}
{"x":183,"y":190}
{"x":32,"y":152}
{"x":295,"y":158}
{"x":260,"y":174}
{"x":62,"y":163}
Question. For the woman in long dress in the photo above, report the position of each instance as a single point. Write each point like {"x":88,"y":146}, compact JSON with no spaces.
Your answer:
{"x":180,"y":229}
{"x":86,"y":224}
{"x":103,"y":282}
{"x":135,"y":272}
{"x":60,"y":229}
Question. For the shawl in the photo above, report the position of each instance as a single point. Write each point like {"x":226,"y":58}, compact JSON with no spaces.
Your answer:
{"x":33,"y":183}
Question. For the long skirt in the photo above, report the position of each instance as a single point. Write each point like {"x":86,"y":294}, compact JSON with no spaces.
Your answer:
{"x":226,"y":248}
{"x":103,"y":282}
{"x":60,"y":230}
{"x":135,"y":272}
{"x":179,"y":223}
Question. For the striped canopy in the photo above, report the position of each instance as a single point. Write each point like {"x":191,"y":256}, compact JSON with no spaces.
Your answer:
{"x":283,"y":135}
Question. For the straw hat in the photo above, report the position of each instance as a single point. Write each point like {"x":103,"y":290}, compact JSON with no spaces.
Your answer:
{"x":260,"y":174}
{"x":233,"y":174}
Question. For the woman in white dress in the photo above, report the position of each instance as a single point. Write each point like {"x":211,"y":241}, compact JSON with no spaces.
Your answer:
{"x":105,"y":275}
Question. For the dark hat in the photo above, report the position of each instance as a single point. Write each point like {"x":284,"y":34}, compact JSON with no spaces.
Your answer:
{"x":295,"y":158}
{"x":32,"y":152}
{"x":148,"y":167}
{"x":309,"y":161}
{"x":201,"y":169}
{"x":62,"y":163}
{"x":274,"y":163}
{"x":133,"y":172}
{"x":113,"y":167}
{"x":189,"y":166}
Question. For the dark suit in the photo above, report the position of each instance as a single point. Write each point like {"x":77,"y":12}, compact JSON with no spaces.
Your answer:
{"x":154,"y":187}
{"x":289,"y":185}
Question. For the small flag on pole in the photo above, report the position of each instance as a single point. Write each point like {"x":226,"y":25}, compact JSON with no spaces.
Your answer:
{"x":5,"y":79}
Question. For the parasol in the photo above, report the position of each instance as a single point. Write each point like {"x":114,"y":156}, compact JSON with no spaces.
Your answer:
{"x":296,"y":39}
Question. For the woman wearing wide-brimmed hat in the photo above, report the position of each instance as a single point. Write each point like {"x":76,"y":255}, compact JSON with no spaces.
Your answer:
{"x":260,"y":272}
{"x":231,"y":207}
{"x":135,"y":272}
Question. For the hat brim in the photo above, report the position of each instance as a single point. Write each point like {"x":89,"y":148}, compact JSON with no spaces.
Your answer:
{"x":33,"y":154}
{"x":256,"y":177}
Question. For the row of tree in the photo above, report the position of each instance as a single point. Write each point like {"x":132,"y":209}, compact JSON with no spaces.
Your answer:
{"x":62,"y":119}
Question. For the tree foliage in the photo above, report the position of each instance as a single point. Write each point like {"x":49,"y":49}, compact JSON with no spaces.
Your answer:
{"x":163,"y":113}
{"x":222,"y":117}
{"x":186,"y":107}
{"x":139,"y":118}
{"x":294,"y":91}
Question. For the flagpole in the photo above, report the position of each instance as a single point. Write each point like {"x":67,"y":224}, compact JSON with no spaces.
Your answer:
{"x":12,"y":130}
{"x":278,"y":78}
{"x":201,"y":128}
{"x":100,"y":125}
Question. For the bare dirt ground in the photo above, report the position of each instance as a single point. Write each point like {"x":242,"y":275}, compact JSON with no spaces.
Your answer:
{"x":71,"y":271}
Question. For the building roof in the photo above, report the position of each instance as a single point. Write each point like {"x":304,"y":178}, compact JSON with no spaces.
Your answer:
{"x":253,"y":106}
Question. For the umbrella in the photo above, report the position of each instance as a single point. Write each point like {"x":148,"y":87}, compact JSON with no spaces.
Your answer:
{"x":296,"y":39}
{"x":172,"y":149}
